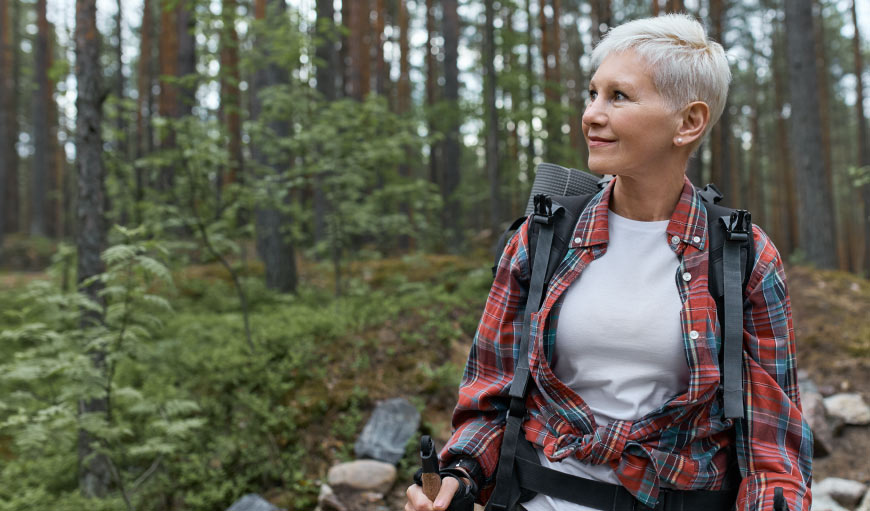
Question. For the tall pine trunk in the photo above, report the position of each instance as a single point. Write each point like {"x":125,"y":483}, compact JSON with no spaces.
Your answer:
{"x":492,"y":151}
{"x":863,"y":145}
{"x":144,"y":101}
{"x":94,"y":470}
{"x":815,"y":211}
{"x":186,"y":25}
{"x":230,"y":93}
{"x":273,"y":244}
{"x":720,"y":135}
{"x":452,"y":203}
{"x":166,"y":101}
{"x":9,"y":202}
{"x":432,"y":95}
{"x":327,"y":70}
{"x":43,"y":150}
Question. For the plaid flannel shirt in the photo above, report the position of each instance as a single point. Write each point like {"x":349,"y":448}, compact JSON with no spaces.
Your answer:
{"x":684,"y":443}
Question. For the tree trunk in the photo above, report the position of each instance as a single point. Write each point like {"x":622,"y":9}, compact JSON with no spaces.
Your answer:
{"x":577,"y":95}
{"x":674,"y":6}
{"x":94,"y":474}
{"x":403,"y":106}
{"x":230,"y":94}
{"x":5,"y":103}
{"x":359,"y":62}
{"x":656,"y":8}
{"x":601,"y":18}
{"x":9,"y":40}
{"x":186,"y":23}
{"x":42,"y":149}
{"x":382,"y":77}
{"x":432,"y":95}
{"x":273,"y":244}
{"x":863,"y":145}
{"x":144,"y":100}
{"x":167,"y":100}
{"x":327,"y":69}
{"x":530,"y":91}
{"x":720,"y":136}
{"x":492,"y":152}
{"x":452,"y":203}
{"x":785,"y":191}
{"x":815,"y":212}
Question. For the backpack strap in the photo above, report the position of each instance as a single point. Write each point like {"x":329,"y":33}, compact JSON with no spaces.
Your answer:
{"x":731,"y":256}
{"x":506,"y":492}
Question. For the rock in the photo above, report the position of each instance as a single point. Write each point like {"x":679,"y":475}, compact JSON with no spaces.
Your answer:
{"x":815,"y":415}
{"x":252,"y":502}
{"x":844,"y":491}
{"x":865,"y":502}
{"x":328,"y":501}
{"x":850,"y":407}
{"x":384,"y":437}
{"x":363,"y":475}
{"x":826,"y":503}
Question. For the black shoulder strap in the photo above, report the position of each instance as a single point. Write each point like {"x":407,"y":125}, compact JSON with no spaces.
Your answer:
{"x":731,"y":256}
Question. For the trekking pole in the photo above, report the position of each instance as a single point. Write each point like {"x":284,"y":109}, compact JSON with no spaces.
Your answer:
{"x":779,"y":502}
{"x":429,"y":458}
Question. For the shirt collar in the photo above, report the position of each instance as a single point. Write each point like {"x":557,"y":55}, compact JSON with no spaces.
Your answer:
{"x":688,"y":222}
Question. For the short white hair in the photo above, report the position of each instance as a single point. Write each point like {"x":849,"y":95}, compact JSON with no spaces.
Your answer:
{"x":686,"y":65}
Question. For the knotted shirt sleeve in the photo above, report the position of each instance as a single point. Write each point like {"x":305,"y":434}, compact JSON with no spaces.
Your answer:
{"x":774,"y":441}
{"x":481,"y":410}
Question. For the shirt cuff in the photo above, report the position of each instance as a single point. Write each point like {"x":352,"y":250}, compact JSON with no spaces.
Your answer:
{"x":756,"y":493}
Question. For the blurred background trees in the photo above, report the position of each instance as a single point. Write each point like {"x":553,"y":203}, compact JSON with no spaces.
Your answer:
{"x":474,"y":94}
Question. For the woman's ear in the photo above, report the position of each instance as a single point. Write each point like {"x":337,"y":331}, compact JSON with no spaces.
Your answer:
{"x":693,"y":122}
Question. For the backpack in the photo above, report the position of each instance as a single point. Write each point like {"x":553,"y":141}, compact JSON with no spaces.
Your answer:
{"x":553,"y":219}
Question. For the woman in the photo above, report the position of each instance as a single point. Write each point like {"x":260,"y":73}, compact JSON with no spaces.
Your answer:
{"x":624,"y":348}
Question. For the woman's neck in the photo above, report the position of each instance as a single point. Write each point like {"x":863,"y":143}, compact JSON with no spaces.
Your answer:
{"x":647,"y":200}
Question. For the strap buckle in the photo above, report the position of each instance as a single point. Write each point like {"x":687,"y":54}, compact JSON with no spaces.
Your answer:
{"x":737,"y":228}
{"x":710,"y":194}
{"x":543,"y":212}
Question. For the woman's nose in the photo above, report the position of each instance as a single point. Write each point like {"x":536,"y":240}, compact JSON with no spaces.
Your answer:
{"x":594,"y":113}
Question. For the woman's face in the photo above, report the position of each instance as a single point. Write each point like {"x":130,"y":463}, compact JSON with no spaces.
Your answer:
{"x":628,"y":126}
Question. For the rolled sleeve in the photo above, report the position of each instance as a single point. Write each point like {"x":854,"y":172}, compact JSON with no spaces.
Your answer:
{"x":774,"y":441}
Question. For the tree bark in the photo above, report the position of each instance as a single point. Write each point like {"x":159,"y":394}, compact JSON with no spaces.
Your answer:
{"x":432,"y":95}
{"x":144,"y":100}
{"x":273,"y":244}
{"x":863,"y":145}
{"x":815,"y":212}
{"x":5,"y":103}
{"x":452,"y":203}
{"x":492,"y":152}
{"x":601,"y":18}
{"x":230,"y":94}
{"x":577,"y":95}
{"x":530,"y":91}
{"x":720,"y":136}
{"x":382,"y":77}
{"x":327,"y":69}
{"x":9,"y":202}
{"x":94,"y":473}
{"x":167,"y":100}
{"x":186,"y":23}
{"x":43,"y":150}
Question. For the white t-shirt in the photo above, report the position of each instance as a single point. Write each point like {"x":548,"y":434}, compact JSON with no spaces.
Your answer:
{"x":619,"y":344}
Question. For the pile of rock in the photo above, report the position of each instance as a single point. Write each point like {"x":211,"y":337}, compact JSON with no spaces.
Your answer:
{"x":827,"y":416}
{"x":362,"y":484}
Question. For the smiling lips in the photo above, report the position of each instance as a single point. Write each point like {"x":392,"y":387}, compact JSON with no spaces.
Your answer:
{"x":599,"y":142}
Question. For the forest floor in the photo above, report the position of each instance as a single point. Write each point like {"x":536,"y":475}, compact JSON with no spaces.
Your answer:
{"x":416,"y":319}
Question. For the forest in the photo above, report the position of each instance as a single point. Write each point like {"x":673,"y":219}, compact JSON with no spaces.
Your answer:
{"x":229,"y":227}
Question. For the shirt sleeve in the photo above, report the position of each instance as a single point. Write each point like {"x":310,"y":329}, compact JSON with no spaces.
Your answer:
{"x":774,"y":441}
{"x":481,"y":410}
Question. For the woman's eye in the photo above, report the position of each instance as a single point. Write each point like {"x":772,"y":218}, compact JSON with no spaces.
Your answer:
{"x":619,"y":95}
{"x":593,"y":95}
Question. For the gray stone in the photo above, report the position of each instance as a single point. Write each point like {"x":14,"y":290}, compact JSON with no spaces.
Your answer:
{"x":850,"y":407}
{"x":252,"y":502}
{"x":844,"y":491}
{"x":363,"y":475}
{"x":328,"y":501}
{"x":865,"y":502}
{"x":384,"y":437}
{"x":817,"y":418}
{"x":826,"y":503}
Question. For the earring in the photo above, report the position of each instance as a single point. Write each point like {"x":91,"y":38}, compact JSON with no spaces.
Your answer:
{"x":679,"y":140}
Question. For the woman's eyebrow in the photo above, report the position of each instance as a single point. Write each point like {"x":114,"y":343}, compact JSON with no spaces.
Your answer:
{"x":613,"y":84}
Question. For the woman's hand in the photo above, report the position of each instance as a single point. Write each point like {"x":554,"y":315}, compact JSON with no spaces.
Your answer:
{"x":417,"y":501}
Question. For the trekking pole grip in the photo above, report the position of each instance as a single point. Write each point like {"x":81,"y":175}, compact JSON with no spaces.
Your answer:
{"x":431,"y":477}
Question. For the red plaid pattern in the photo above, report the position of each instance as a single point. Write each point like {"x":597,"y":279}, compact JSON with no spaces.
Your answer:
{"x":684,"y":443}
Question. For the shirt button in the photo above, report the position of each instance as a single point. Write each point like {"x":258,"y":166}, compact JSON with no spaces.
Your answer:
{"x":675,"y":240}
{"x":697,"y":239}
{"x":694,"y":334}
{"x":687,"y":276}
{"x":577,"y":240}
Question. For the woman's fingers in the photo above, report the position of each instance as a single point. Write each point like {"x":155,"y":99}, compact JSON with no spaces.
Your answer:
{"x":417,"y":500}
{"x":449,"y":485}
